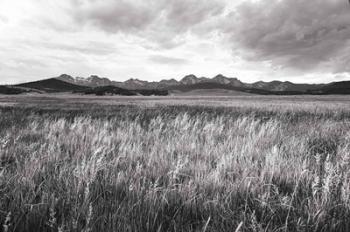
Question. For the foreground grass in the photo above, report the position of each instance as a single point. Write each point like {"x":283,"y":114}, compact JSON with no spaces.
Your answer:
{"x":174,"y":169}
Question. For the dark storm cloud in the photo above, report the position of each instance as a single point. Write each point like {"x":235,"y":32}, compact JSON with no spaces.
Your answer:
{"x":160,"y":21}
{"x":300,"y":34}
{"x":113,"y":16}
{"x":181,"y":15}
{"x":168,"y":60}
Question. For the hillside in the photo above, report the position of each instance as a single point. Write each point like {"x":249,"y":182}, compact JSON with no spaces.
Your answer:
{"x":278,"y":86}
{"x":10,"y":90}
{"x":152,"y":92}
{"x":214,"y":85}
{"x":342,"y":87}
{"x":113,"y":90}
{"x":109,"y":90}
{"x":52,"y":85}
{"x":209,"y":92}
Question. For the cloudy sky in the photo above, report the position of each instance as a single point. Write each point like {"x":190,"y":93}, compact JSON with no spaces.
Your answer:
{"x":296,"y":40}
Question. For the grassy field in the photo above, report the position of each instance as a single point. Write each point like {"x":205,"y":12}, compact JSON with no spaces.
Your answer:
{"x":244,"y":163}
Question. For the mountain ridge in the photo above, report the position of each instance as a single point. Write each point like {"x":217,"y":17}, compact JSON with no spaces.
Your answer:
{"x":104,"y":86}
{"x":54,"y":85}
{"x":191,"y":79}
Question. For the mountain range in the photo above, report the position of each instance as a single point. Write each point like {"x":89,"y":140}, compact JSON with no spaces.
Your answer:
{"x":192,"y":82}
{"x":95,"y":81}
{"x":104,"y":86}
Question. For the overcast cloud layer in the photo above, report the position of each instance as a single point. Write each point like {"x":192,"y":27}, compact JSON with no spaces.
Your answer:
{"x":296,"y":40}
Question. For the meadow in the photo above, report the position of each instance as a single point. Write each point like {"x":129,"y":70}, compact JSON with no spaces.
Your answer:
{"x":241,"y":163}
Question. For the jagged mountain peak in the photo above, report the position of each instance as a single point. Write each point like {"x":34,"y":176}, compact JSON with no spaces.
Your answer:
{"x":169,"y":81}
{"x":135,"y":80}
{"x":221,"y":79}
{"x":96,"y":77}
{"x":93,"y":77}
{"x":227,"y":80}
{"x":189,"y":79}
{"x":190,"y":76}
{"x":65,"y":76}
{"x":220,"y":76}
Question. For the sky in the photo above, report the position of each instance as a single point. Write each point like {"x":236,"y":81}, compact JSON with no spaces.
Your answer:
{"x":296,"y":40}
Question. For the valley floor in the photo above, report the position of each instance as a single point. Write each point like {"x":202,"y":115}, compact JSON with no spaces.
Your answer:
{"x":269,"y":102}
{"x":175,"y":163}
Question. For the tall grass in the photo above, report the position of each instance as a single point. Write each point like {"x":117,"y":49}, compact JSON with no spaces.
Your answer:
{"x":174,"y":169}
